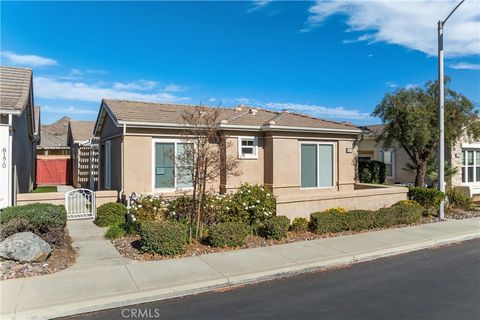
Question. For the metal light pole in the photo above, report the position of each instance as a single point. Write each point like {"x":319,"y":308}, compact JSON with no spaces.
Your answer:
{"x":441,"y":118}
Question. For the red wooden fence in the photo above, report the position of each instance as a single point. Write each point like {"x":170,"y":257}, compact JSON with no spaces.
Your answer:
{"x":54,"y":171}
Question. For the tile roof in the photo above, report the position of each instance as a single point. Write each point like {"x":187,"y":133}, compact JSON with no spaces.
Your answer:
{"x":52,"y":141}
{"x":81,"y":130}
{"x":160,"y":113}
{"x":375,"y":129}
{"x":36,"y":115}
{"x":15,"y":85}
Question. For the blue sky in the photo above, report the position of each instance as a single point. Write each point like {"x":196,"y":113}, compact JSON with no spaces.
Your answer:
{"x":333,"y":60}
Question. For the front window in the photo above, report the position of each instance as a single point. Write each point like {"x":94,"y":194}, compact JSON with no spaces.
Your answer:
{"x":470,"y":166}
{"x":172,"y":169}
{"x":247,"y":147}
{"x":388,"y":158}
{"x":316,"y":165}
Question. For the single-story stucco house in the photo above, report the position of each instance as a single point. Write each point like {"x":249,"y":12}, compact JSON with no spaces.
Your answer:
{"x":464,"y":157}
{"x":310,"y":164}
{"x":19,"y":133}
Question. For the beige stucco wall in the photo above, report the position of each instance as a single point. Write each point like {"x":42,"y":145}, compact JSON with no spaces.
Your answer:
{"x":369,"y":146}
{"x":58,"y":198}
{"x":372,"y":198}
{"x":138,"y":164}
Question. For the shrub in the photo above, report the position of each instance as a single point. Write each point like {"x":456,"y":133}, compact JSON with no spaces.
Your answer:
{"x":327,"y":222}
{"x":371,"y":171}
{"x":251,"y":204}
{"x":276,"y":228}
{"x":115,"y":232}
{"x":459,"y":199}
{"x":180,"y":208}
{"x":167,"y":238}
{"x":110,"y":214}
{"x":400,"y":213}
{"x":299,"y":225}
{"x":336,"y":210}
{"x":46,"y":220}
{"x":357,"y":220}
{"x":228,"y":234}
{"x":428,"y":198}
{"x":148,"y":208}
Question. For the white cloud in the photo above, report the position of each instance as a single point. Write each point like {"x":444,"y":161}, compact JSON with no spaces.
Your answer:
{"x":320,"y":111}
{"x":391,"y":84}
{"x":28,"y":60}
{"x":67,"y":110}
{"x":136,"y":85}
{"x":412,"y":86}
{"x":258,"y":4}
{"x":465,"y":66}
{"x":80,"y":72}
{"x":212,"y":100}
{"x":174,"y":88}
{"x":412,"y":24}
{"x":51,"y":88}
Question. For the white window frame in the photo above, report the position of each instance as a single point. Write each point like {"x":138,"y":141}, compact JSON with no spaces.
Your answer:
{"x":175,"y":188}
{"x":108,"y":165}
{"x":466,"y":166}
{"x":394,"y":155}
{"x":334,"y":162}
{"x":242,"y":155}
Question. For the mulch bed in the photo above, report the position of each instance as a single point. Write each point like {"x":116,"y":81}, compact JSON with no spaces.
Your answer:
{"x":61,"y":258}
{"x":130,"y":246}
{"x":458,"y":213}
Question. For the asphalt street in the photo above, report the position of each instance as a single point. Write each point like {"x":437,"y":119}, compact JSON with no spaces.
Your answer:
{"x":438,"y":283}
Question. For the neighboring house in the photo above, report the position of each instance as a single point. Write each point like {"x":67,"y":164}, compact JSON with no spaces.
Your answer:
{"x":308,"y":163}
{"x":84,"y":151}
{"x":53,"y":159}
{"x":19,"y":134}
{"x":464,"y":155}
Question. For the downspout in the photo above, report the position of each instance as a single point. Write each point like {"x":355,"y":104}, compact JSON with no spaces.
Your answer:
{"x":123,"y":160}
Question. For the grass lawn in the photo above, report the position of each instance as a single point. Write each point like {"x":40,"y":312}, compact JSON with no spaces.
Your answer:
{"x":45,"y":189}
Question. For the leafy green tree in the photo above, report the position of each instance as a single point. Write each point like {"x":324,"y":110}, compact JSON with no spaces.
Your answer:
{"x":432,"y":169}
{"x":410,"y":116}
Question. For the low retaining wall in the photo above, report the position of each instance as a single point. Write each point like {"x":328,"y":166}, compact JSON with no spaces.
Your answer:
{"x":367,"y":197}
{"x":57,"y":198}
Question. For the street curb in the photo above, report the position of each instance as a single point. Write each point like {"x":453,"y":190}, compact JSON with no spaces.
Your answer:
{"x":144,"y":296}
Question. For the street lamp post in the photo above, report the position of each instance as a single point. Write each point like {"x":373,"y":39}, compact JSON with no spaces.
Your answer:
{"x":441,"y":117}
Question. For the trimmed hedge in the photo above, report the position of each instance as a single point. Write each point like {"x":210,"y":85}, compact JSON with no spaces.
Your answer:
{"x":115,"y":232}
{"x":371,"y":171}
{"x":428,"y":198}
{"x":110,"y":214}
{"x":46,"y":220}
{"x":168,"y":238}
{"x":299,"y":225}
{"x":459,"y":199}
{"x":276,"y":228}
{"x":404,"y":212}
{"x":228,"y":234}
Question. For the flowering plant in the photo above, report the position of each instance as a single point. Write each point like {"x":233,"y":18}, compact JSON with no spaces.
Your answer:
{"x":148,"y":208}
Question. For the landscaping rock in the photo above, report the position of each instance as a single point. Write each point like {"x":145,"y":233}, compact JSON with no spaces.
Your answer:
{"x":25,"y":247}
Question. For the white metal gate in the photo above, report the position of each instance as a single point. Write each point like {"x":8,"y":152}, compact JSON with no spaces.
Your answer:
{"x":80,"y":204}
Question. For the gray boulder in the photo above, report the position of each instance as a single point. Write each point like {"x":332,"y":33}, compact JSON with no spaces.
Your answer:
{"x":25,"y":247}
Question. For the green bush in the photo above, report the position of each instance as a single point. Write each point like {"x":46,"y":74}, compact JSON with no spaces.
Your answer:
{"x":400,"y":213}
{"x":336,"y":210}
{"x":168,"y":238}
{"x":459,"y":199}
{"x":371,"y":171}
{"x":115,"y":232}
{"x":228,"y":234}
{"x":110,"y":214}
{"x":148,"y":208}
{"x":428,"y":198}
{"x":276,"y":228}
{"x":251,"y":204}
{"x":327,"y":222}
{"x":46,"y":220}
{"x":357,"y":220}
{"x":299,"y":225}
{"x":180,"y":208}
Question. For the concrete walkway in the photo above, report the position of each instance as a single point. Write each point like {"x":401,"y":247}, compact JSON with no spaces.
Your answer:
{"x":102,"y":279}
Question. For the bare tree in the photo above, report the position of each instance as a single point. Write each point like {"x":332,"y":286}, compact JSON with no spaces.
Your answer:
{"x":203,"y":158}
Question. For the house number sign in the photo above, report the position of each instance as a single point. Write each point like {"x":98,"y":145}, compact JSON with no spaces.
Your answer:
{"x":4,"y":157}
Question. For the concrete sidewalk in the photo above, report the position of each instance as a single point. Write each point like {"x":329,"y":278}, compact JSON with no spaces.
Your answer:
{"x":113,"y":282}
